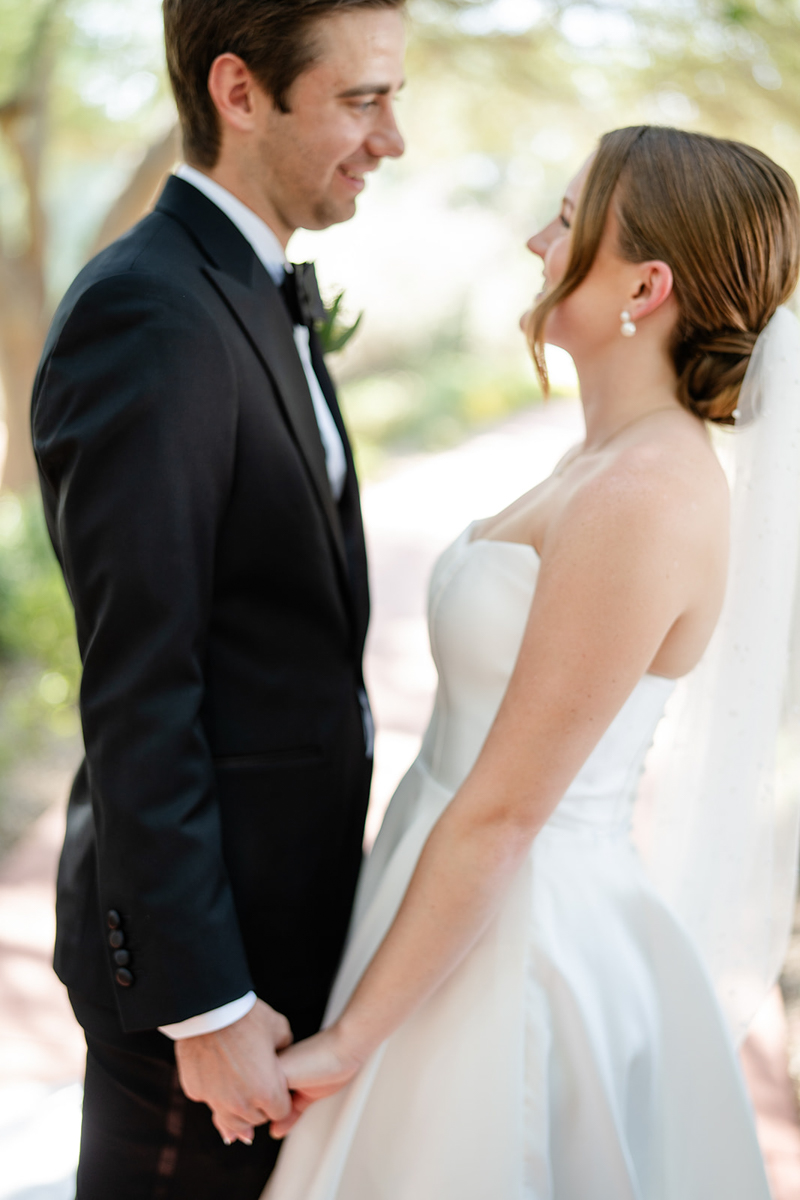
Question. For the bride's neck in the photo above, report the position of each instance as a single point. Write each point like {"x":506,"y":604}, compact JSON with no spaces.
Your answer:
{"x":623,"y":385}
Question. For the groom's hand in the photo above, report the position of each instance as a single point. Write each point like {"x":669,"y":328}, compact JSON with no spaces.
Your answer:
{"x":236,"y":1072}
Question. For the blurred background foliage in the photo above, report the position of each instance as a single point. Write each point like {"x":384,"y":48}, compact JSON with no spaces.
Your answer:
{"x":39,"y":665}
{"x":505,"y":97}
{"x":504,"y":100}
{"x":34,"y":610}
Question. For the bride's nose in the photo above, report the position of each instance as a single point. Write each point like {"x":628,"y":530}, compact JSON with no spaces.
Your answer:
{"x":539,"y":242}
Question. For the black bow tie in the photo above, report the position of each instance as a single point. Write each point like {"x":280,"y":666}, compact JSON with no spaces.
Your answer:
{"x":301,"y":294}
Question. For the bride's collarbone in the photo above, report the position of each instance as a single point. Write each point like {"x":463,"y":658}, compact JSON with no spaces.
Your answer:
{"x":528,"y":519}
{"x":683,"y":471}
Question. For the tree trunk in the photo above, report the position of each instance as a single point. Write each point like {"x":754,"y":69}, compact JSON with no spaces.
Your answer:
{"x":22,"y":332}
{"x":141,"y":190}
{"x":24,"y":320}
{"x":24,"y":123}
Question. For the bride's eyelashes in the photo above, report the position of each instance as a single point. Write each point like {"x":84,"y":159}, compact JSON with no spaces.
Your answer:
{"x":564,"y":221}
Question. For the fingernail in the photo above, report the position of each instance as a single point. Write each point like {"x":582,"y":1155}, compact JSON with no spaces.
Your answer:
{"x":247,"y":1141}
{"x":227,"y":1141}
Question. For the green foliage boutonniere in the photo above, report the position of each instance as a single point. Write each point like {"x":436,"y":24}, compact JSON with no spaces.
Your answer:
{"x":334,"y":333}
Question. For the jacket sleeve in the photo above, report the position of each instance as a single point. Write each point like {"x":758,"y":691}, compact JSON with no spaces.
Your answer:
{"x":134,"y":421}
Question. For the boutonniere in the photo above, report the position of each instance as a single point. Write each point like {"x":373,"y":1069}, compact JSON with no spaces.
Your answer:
{"x":334,"y":333}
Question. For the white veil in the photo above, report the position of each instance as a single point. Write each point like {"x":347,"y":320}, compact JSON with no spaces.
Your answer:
{"x":719,"y":810}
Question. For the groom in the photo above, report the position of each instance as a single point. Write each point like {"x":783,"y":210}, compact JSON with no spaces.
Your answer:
{"x":200,"y":494}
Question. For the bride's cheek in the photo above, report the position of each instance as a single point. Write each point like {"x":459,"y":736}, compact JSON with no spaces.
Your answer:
{"x":555,"y":262}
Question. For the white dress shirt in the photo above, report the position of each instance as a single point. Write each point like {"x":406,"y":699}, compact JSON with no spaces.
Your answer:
{"x":270,"y":252}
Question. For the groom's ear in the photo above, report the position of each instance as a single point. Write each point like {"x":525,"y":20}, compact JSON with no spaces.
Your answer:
{"x":235,"y":93}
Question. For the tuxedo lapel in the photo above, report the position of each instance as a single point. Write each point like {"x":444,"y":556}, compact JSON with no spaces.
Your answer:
{"x":234,"y":270}
{"x":262,"y":315}
{"x":326,"y":383}
{"x":350,"y":503}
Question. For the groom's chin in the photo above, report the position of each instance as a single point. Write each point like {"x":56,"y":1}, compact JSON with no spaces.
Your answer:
{"x":332,"y":212}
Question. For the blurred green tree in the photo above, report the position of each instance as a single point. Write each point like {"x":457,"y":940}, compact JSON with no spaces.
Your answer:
{"x":87,"y":123}
{"x":736,"y":62}
{"x":57,"y":102}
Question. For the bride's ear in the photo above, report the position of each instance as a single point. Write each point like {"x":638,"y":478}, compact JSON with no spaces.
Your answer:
{"x":654,"y":285}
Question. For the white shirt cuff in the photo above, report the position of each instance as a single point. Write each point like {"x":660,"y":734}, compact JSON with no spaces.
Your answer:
{"x":210,"y":1022}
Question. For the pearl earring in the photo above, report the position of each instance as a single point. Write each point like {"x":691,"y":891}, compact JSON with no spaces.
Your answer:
{"x":628,"y":328}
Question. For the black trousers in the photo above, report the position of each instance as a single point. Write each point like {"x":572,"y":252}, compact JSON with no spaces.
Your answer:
{"x":141,"y":1138}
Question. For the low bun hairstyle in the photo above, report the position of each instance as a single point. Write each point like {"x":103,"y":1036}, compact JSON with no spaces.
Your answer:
{"x":726,"y":219}
{"x":711,"y":369}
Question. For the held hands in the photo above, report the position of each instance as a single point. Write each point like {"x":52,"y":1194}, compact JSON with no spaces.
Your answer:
{"x":317,"y":1067}
{"x":236,"y":1072}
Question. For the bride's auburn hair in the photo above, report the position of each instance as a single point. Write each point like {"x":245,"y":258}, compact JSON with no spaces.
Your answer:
{"x":726,"y":219}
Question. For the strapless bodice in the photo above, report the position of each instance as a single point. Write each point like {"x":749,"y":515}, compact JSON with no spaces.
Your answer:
{"x":479,"y":600}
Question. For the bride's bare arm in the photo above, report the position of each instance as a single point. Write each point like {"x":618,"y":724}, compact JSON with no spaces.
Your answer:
{"x":629,"y":558}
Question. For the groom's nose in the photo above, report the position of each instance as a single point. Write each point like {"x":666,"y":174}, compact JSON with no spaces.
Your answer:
{"x":386,"y":140}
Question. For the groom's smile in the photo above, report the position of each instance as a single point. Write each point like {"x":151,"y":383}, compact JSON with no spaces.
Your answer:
{"x":356,"y":178}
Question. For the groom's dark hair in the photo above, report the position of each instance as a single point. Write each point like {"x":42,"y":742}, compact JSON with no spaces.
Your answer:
{"x":271,"y":36}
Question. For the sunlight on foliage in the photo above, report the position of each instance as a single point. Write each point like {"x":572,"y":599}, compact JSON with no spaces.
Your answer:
{"x":39,"y":664}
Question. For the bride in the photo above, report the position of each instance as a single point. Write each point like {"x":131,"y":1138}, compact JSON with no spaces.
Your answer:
{"x":521,"y":1012}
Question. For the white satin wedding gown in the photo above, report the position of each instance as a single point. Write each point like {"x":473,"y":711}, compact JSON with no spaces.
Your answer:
{"x":578,"y":1052}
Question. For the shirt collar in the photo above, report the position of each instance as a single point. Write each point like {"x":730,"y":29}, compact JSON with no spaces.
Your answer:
{"x":264,"y":242}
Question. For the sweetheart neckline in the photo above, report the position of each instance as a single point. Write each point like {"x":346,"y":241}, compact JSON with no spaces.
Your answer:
{"x":527,"y":546}
{"x":500,"y":542}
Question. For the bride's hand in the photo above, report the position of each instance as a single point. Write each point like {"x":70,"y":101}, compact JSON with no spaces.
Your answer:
{"x":315,"y":1068}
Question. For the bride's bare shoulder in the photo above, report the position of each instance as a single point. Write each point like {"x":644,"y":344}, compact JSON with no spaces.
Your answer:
{"x":678,"y":456}
{"x":665,"y":484}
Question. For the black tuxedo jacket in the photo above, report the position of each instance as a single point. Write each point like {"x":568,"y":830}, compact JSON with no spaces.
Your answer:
{"x":214,"y":828}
